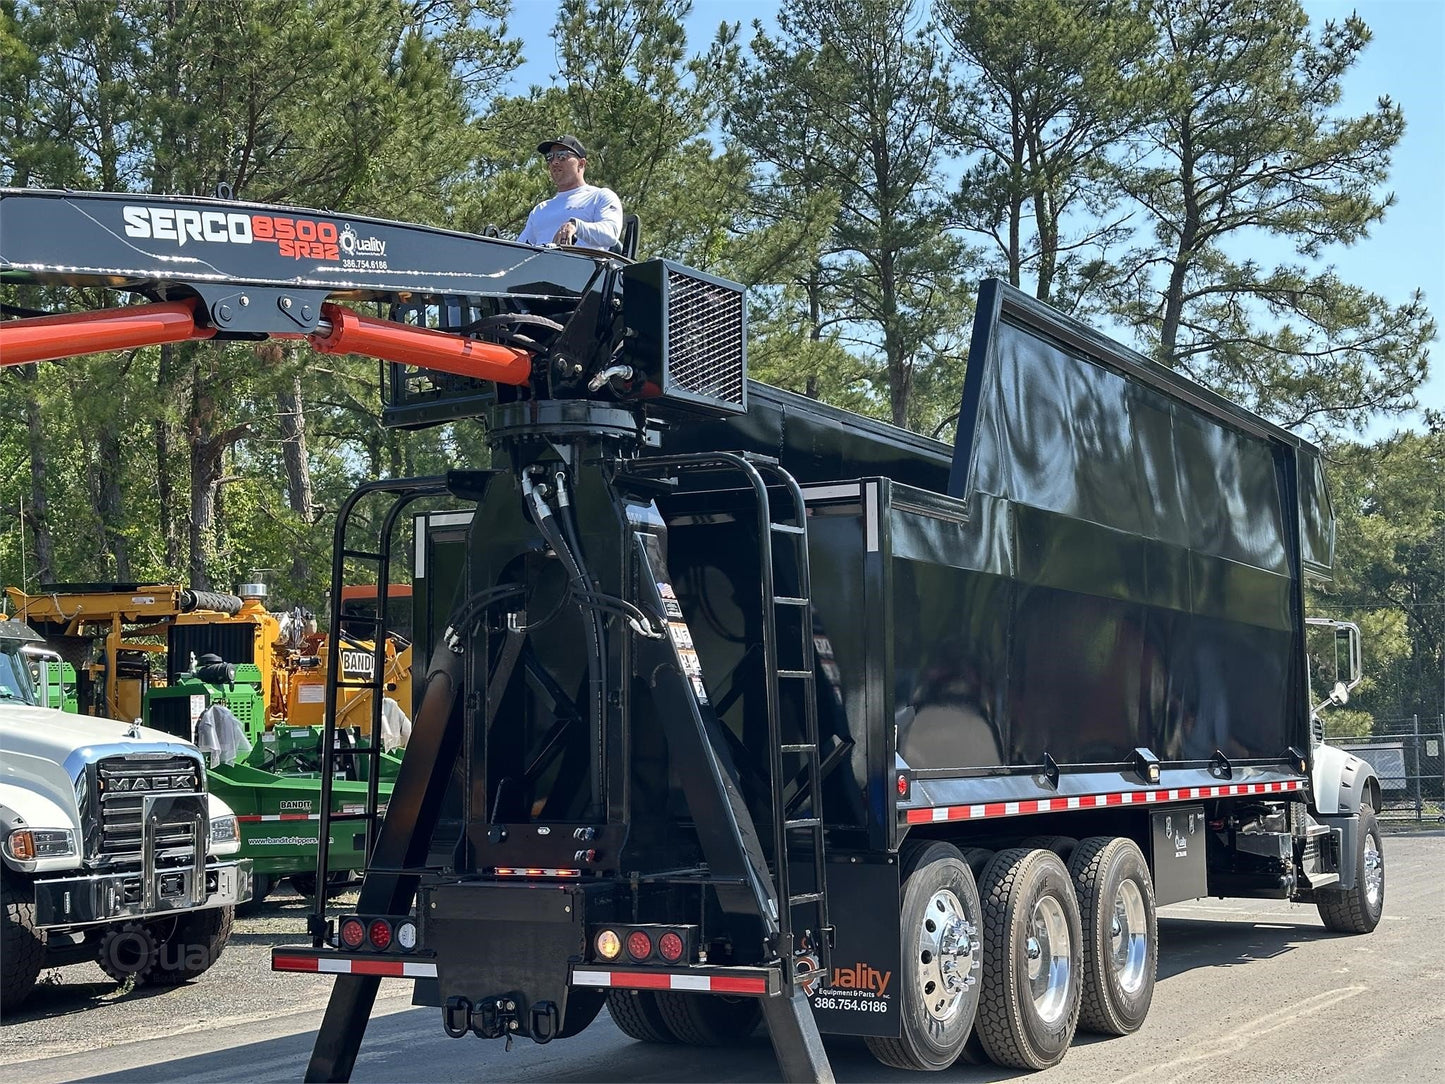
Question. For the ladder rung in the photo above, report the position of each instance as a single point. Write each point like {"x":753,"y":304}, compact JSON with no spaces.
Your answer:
{"x":802,"y":822}
{"x":800,"y":748}
{"x":805,"y":897}
{"x":789,"y":600}
{"x":343,"y":684}
{"x":795,"y":673}
{"x":355,"y":816}
{"x":788,"y":528}
{"x":363,"y":555}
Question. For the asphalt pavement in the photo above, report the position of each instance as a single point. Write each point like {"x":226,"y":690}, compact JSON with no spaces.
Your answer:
{"x":1248,"y":990}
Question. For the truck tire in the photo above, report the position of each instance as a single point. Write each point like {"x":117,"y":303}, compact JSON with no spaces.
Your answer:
{"x":193,"y":945}
{"x":129,"y":951}
{"x":977,"y":858}
{"x":1121,"y":934}
{"x":22,"y":946}
{"x":939,"y":919}
{"x":1063,"y":846}
{"x":1358,"y":909}
{"x":1032,"y":960}
{"x":709,"y":1019}
{"x":638,"y":1015}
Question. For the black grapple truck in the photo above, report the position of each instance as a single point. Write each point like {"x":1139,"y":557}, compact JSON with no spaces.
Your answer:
{"x":733,"y":707}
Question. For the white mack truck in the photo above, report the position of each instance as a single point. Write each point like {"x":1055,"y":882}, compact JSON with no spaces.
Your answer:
{"x":110,"y":847}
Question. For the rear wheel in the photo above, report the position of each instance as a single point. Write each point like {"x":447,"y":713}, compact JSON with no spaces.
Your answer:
{"x":1358,"y":909}
{"x":1121,"y":934}
{"x":938,"y":988}
{"x":638,"y":1015}
{"x":1032,"y":960}
{"x":709,"y":1019}
{"x":193,"y":945}
{"x":22,"y":946}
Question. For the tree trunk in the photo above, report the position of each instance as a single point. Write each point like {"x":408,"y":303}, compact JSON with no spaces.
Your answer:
{"x":298,"y":467}
{"x":165,"y":484}
{"x":1184,"y":254}
{"x":109,"y":505}
{"x":205,"y":473}
{"x":38,"y":514}
{"x":815,"y":324}
{"x":208,"y":448}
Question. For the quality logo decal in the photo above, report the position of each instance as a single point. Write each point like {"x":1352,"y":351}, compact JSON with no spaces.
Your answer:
{"x":353,"y":245}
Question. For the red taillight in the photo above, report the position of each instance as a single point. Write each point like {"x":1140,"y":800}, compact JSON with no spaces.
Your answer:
{"x":639,"y":945}
{"x":903,"y":786}
{"x":670,"y":947}
{"x":353,"y":933}
{"x":380,"y":933}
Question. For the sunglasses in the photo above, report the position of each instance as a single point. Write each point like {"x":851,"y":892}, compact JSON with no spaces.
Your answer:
{"x":559,"y":156}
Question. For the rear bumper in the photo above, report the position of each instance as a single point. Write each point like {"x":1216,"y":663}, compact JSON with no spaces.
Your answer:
{"x":332,"y":962}
{"x":110,"y":897}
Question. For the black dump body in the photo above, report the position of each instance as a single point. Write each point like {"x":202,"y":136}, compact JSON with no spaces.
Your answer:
{"x":1109,"y":558}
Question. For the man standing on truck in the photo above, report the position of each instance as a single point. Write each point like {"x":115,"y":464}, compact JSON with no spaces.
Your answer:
{"x":580,"y":213}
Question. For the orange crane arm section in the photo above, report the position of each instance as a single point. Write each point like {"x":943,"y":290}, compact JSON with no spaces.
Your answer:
{"x":46,"y":338}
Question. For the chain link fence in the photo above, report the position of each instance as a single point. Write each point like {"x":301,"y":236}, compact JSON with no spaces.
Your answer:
{"x":1408,"y":754}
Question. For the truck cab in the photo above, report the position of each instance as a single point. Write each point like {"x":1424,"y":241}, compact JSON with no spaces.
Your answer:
{"x":111,"y":848}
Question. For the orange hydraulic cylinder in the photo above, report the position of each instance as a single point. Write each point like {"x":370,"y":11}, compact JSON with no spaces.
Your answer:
{"x":45,"y":338}
{"x":351,"y":333}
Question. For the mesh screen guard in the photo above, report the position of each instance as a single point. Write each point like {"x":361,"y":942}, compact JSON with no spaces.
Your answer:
{"x":687,"y":336}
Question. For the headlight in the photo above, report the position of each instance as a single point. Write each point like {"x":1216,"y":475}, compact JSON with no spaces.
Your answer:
{"x":28,"y":844}
{"x":225,"y":830}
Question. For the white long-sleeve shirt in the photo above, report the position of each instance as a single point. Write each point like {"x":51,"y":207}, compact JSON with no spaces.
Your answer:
{"x":597,"y":211}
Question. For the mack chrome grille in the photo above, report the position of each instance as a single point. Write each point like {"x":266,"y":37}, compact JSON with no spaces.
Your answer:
{"x":704,"y":338}
{"x":123,"y":785}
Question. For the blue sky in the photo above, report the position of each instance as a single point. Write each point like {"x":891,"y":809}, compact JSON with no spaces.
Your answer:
{"x":1406,"y":61}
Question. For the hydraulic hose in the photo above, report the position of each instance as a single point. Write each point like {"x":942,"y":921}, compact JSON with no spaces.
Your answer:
{"x":556,"y":537}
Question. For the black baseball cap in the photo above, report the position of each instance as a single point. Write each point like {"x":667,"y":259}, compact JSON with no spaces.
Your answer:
{"x":567,"y":142}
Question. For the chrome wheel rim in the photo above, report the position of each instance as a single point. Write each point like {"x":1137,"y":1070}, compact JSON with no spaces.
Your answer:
{"x":1048,"y":956}
{"x":1374,"y":873}
{"x":1129,"y":937}
{"x":948,"y":951}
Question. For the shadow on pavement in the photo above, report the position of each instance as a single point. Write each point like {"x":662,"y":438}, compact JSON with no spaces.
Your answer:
{"x":1187,"y":943}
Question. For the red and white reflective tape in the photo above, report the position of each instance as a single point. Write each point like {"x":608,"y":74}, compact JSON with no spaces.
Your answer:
{"x":388,"y":968}
{"x":671,"y":980}
{"x":1095,"y":801}
{"x":252,"y":818}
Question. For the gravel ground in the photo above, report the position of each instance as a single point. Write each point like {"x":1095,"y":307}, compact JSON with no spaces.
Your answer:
{"x":79,"y":1008}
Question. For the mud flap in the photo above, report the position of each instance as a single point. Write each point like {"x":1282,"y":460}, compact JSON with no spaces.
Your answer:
{"x":509,"y":951}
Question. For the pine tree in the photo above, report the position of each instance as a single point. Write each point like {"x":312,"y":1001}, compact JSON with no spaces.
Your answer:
{"x":1248,"y":147}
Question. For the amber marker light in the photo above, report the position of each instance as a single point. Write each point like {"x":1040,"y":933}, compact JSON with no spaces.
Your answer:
{"x":609,"y":946}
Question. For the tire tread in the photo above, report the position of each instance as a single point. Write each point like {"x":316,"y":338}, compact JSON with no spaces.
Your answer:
{"x":22,"y":954}
{"x":644,"y":1023}
{"x":707,"y":1019}
{"x":1347,"y":911}
{"x":208,"y":930}
{"x":997,"y":1025}
{"x":1096,"y":1012}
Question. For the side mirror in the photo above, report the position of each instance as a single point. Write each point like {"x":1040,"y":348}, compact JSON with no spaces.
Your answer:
{"x":1340,"y":694}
